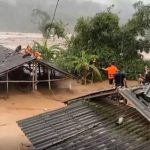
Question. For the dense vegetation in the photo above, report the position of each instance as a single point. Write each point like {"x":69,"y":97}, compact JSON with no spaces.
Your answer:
{"x":100,"y":39}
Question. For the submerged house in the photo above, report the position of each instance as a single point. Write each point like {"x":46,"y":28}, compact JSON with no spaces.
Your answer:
{"x":27,"y":71}
{"x":98,"y":121}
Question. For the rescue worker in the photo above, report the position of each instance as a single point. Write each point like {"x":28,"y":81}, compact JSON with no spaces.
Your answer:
{"x":28,"y":51}
{"x":111,"y":71}
{"x":120,"y":78}
{"x":37,"y":55}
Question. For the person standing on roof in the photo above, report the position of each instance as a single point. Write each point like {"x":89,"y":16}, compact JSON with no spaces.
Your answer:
{"x":111,"y":71}
{"x":120,"y":78}
{"x":28,"y":51}
{"x":37,"y":55}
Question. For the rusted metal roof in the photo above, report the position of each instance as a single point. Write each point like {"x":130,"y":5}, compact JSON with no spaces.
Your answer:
{"x":86,"y":125}
{"x":10,"y":60}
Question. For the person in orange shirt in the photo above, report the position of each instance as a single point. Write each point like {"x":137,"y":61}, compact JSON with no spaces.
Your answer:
{"x":28,"y":51}
{"x":112,"y":70}
{"x":37,"y":55}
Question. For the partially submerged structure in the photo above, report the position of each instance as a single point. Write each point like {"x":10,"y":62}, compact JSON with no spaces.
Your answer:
{"x":139,"y":96}
{"x":98,"y":121}
{"x":27,"y":71}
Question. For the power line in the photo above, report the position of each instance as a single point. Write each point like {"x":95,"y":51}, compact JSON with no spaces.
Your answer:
{"x":53,"y":16}
{"x":55,"y":11}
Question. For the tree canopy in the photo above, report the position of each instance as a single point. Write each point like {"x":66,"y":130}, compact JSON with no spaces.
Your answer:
{"x":102,"y":34}
{"x":43,"y":20}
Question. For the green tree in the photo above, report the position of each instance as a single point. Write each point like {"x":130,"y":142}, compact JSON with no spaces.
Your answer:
{"x":40,"y":18}
{"x":49,"y":54}
{"x":46,"y":26}
{"x":133,"y":32}
{"x":97,"y":32}
{"x":103,"y":36}
{"x":82,"y":65}
{"x":148,"y":35}
{"x":58,"y":28}
{"x":85,"y":66}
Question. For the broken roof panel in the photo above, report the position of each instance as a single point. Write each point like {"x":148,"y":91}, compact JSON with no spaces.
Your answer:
{"x":86,"y":125}
{"x":136,"y":97}
{"x":10,"y":60}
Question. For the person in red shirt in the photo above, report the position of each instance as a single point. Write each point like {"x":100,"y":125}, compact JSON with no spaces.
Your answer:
{"x":112,"y":70}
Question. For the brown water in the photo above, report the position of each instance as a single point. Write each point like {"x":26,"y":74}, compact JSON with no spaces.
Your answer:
{"x":13,"y":39}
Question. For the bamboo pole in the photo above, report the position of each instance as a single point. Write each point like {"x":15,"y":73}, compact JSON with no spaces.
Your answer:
{"x":24,"y":81}
{"x":35,"y":83}
{"x":16,"y":81}
{"x":7,"y":84}
{"x":39,"y":70}
{"x":33,"y":77}
{"x":49,"y":83}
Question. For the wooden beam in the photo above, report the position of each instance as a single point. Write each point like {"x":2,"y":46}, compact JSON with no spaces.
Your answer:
{"x":49,"y":82}
{"x":15,"y":81}
{"x":24,"y":81}
{"x":39,"y":67}
{"x":33,"y":76}
{"x":35,"y":83}
{"x":7,"y":83}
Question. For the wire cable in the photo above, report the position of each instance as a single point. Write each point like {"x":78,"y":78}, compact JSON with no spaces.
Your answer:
{"x":55,"y":11}
{"x":49,"y":26}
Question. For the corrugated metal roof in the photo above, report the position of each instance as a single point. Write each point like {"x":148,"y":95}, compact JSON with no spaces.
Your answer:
{"x":100,"y":93}
{"x":139,"y":102}
{"x":86,"y":125}
{"x":9,"y":59}
{"x":53,"y":66}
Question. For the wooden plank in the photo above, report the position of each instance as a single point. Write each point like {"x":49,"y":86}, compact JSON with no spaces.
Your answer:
{"x":35,"y":83}
{"x":49,"y":77}
{"x":33,"y":76}
{"x":24,"y":81}
{"x":7,"y":83}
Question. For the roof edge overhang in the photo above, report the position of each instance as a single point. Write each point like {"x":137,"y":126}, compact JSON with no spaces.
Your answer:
{"x":50,"y":65}
{"x":13,"y":68}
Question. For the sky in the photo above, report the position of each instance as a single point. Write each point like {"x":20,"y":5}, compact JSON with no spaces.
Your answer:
{"x":15,"y":15}
{"x":115,"y":1}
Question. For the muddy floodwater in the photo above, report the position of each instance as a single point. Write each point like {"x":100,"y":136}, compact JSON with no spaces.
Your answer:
{"x":13,"y":39}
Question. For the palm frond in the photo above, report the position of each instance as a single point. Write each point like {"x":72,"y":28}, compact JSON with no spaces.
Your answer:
{"x":96,"y":71}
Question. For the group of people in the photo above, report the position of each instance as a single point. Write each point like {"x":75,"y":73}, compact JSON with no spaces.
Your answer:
{"x":28,"y":52}
{"x":116,"y":76}
{"x":142,"y":79}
